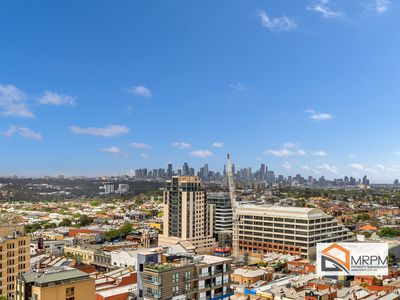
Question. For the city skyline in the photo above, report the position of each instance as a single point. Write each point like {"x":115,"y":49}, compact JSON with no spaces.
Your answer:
{"x":307,"y":87}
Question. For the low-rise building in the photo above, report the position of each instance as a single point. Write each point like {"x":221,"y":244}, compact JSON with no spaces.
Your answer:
{"x":250,"y":275}
{"x":55,"y":283}
{"x":52,"y":247}
{"x":84,"y":254}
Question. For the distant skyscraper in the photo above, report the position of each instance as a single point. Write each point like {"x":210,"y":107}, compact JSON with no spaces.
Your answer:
{"x":271,"y":177}
{"x":185,"y":169}
{"x":170,"y":171}
{"x":365,"y":181}
{"x":262,"y":172}
{"x":191,"y":172}
{"x":206,"y":172}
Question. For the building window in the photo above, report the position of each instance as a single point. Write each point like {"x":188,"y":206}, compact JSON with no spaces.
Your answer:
{"x":175,"y":290}
{"x":69,"y":293}
{"x":188,"y":275}
{"x":175,"y":278}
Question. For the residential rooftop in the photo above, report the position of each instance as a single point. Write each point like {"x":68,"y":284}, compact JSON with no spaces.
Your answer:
{"x":55,"y":275}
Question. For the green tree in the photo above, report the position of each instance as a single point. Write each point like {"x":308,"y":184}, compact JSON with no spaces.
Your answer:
{"x":391,"y":259}
{"x":111,"y":234}
{"x":126,"y":229}
{"x":363,"y":217}
{"x":388,"y":232}
{"x":66,"y":222}
{"x":139,"y":201}
{"x":84,"y":220}
{"x":262,"y":263}
{"x":49,"y":225}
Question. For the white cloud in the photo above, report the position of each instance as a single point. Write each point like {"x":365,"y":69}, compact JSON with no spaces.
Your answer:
{"x":374,"y":169}
{"x":24,"y":132}
{"x":13,"y":102}
{"x":289,"y":149}
{"x":325,"y":9}
{"x":217,"y":145}
{"x":351,"y":156}
{"x":109,"y":131}
{"x":302,"y":152}
{"x":320,"y":153}
{"x":329,"y":168}
{"x":277,"y":24}
{"x":289,"y":145}
{"x":201,"y":153}
{"x":378,"y":6}
{"x":112,"y":149}
{"x":280,"y":153}
{"x":287,"y":165}
{"x":318,"y":116}
{"x":140,"y":90}
{"x":357,"y":166}
{"x":145,"y":156}
{"x":379,"y":167}
{"x":52,"y":98}
{"x":239,"y":87}
{"x":181,"y":145}
{"x":305,"y":167}
{"x":140,"y":145}
{"x":382,"y":5}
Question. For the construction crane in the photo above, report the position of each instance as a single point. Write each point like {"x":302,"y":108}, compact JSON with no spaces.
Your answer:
{"x":235,"y":213}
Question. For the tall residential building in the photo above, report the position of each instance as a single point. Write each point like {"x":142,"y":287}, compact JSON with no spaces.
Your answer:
{"x":14,"y":257}
{"x":55,"y":283}
{"x":185,"y":277}
{"x":222,"y":216}
{"x":187,"y":216}
{"x":292,"y":230}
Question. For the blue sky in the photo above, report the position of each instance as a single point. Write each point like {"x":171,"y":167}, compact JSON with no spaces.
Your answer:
{"x":104,"y":87}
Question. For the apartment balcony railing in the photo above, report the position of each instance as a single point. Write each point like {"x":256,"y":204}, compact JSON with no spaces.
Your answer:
{"x":153,"y":282}
{"x":152,"y":295}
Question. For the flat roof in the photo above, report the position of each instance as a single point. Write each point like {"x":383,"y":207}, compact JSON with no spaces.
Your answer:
{"x":117,"y":290}
{"x":210,"y":259}
{"x":282,"y":211}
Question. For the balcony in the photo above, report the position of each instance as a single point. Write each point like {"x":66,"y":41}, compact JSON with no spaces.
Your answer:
{"x":152,"y":295}
{"x":190,"y":291}
{"x":152,"y":281}
{"x":216,"y":272}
